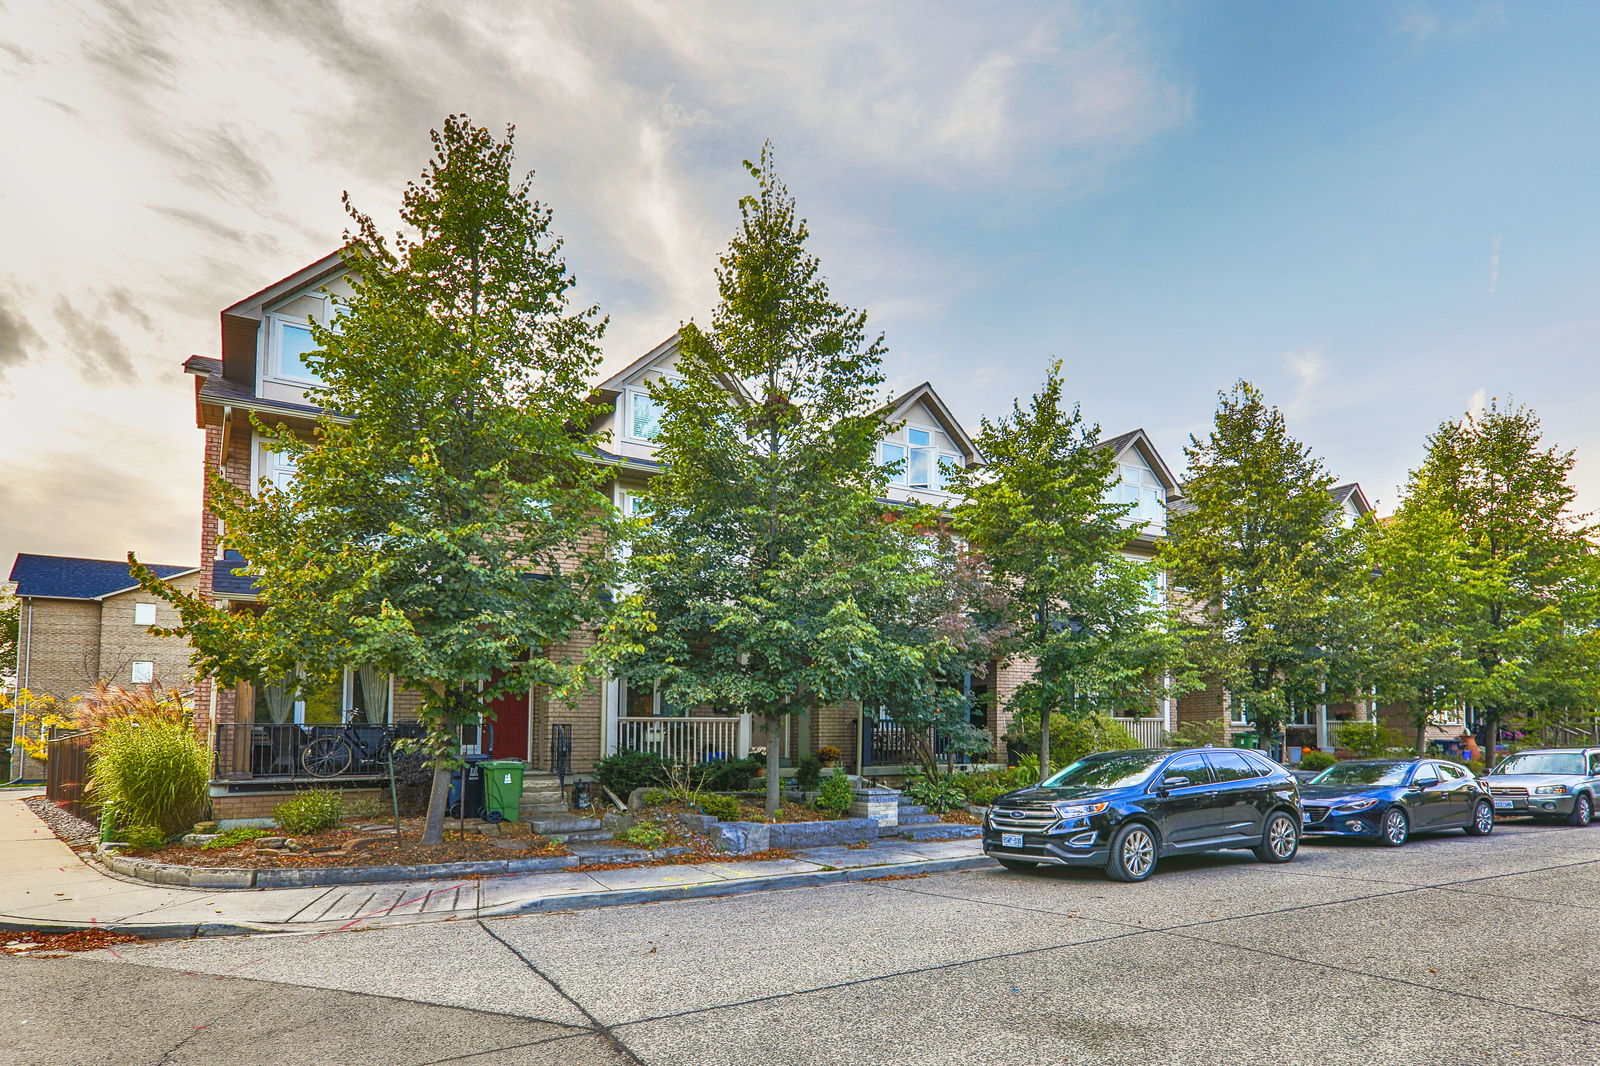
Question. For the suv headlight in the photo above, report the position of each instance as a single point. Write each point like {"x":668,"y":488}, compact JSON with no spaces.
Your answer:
{"x":1550,"y":790}
{"x":1356,"y":805}
{"x":1078,"y":810}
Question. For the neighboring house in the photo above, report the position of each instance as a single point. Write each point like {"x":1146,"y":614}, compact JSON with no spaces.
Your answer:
{"x":257,"y":727}
{"x":87,"y":620}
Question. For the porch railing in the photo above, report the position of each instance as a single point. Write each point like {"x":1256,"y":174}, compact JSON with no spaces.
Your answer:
{"x":66,"y":773}
{"x":250,"y":750}
{"x":892,"y":744}
{"x":691,"y":740}
{"x":1147,"y":731}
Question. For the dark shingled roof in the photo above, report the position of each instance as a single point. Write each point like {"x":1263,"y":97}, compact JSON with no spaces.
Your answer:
{"x":1341,"y":493}
{"x":219,"y":390}
{"x":224,"y":582}
{"x":66,"y":578}
{"x":1120,"y":441}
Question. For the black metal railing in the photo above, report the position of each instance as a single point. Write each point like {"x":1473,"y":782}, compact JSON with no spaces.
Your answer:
{"x":892,"y":744}
{"x":276,"y":749}
{"x":561,"y":751}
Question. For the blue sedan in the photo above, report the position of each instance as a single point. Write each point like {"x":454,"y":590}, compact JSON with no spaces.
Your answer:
{"x":1389,"y":799}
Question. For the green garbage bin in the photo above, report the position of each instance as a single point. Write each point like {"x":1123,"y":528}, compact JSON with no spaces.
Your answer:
{"x":1250,"y":739}
{"x":502,"y":789}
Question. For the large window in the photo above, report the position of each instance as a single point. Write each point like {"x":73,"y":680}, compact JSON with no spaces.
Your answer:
{"x":1137,"y":485}
{"x":918,"y":457}
{"x":644,"y":415}
{"x":289,"y":342}
{"x":367,"y":695}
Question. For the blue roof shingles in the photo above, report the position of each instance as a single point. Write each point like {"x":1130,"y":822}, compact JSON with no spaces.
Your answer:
{"x":61,"y":577}
{"x":224,"y":582}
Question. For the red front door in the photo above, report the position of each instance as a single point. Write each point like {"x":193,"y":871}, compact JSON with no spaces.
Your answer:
{"x":510,"y":726}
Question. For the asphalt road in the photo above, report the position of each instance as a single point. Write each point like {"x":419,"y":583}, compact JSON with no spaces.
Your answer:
{"x":1449,"y":950}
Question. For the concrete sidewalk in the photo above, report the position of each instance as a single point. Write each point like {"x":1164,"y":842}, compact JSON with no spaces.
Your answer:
{"x":45,"y":885}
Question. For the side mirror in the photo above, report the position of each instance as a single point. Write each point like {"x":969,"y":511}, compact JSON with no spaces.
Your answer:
{"x":1177,"y":781}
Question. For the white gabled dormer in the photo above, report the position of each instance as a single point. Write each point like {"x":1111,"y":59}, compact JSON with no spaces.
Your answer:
{"x":1351,"y":503}
{"x":926,"y":445}
{"x":1143,"y":480}
{"x":634,"y":418}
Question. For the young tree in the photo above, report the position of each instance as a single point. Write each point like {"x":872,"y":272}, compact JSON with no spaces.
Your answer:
{"x":433,"y":529}
{"x":1527,"y":625}
{"x":1260,"y":558}
{"x":769,"y":564}
{"x":1417,"y":616}
{"x":1078,"y":608}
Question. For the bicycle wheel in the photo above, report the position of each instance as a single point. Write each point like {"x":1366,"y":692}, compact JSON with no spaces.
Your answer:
{"x":326,"y":757}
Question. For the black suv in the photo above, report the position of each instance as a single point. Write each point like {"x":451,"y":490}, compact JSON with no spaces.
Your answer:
{"x":1123,"y":810}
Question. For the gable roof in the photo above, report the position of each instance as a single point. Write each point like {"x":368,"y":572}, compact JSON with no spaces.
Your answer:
{"x":1352,"y":493}
{"x":941,"y":411}
{"x":617,"y":380}
{"x":61,"y":577}
{"x":310,"y":274}
{"x":1138,"y":438}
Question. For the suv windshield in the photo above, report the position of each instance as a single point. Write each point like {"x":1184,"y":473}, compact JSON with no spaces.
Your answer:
{"x":1363,"y":773}
{"x":1543,"y":762}
{"x":1117,"y":769}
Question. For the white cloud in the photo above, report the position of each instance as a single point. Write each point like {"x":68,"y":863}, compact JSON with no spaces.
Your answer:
{"x":1309,"y":368}
{"x":1478,"y":402}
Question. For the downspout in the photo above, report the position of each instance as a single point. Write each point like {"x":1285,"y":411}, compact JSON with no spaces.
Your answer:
{"x":23,"y":670}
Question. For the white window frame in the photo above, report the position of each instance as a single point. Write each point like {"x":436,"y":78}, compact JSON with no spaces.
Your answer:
{"x":144,"y":614}
{"x":268,"y":462}
{"x":937,"y":457}
{"x":272,"y":342}
{"x":347,"y":696}
{"x":149,"y":672}
{"x":631,"y":395}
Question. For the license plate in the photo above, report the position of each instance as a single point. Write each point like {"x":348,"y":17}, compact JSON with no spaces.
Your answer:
{"x":1011,"y":840}
{"x":1504,"y":805}
{"x":1305,"y":817}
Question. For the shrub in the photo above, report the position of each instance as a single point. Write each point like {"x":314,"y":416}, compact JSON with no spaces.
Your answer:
{"x":722,"y":808}
{"x":837,"y":792}
{"x":655,"y":797}
{"x":642,"y":835}
{"x":105,"y":705}
{"x":235,"y":836}
{"x":154,"y":773}
{"x":628,"y":770}
{"x":1027,"y":770}
{"x":982,"y":787}
{"x":413,"y":781}
{"x":1368,"y":739}
{"x":1198,"y":734}
{"x":1313,"y":759}
{"x":726,"y":775}
{"x":807,"y":773}
{"x":829,"y":754}
{"x":938,"y":794}
{"x":1476,"y":766}
{"x":1070,"y":738}
{"x":143,"y":838}
{"x":310,"y":812}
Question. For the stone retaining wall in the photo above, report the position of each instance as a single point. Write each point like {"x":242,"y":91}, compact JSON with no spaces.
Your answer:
{"x":165,"y":873}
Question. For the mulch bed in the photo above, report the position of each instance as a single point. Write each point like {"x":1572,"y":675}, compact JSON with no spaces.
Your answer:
{"x":37,"y":945}
{"x":959,"y":817}
{"x":358,"y":847}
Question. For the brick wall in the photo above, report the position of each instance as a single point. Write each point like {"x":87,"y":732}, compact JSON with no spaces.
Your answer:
{"x":262,"y":804}
{"x":122,"y":642}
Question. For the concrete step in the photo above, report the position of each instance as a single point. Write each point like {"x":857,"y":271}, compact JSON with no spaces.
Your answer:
{"x":912,"y":808}
{"x":562,"y":825}
{"x":937,"y":831}
{"x":916,"y":819}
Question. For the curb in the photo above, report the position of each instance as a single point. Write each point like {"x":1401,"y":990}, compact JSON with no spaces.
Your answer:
{"x":577,"y":901}
{"x":667,"y":893}
{"x":210,"y":877}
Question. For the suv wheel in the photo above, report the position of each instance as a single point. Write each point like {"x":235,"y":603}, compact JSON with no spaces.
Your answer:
{"x":1017,"y":865}
{"x":1133,"y":853}
{"x":1482,"y":823}
{"x":1395,"y":829}
{"x":1281,"y":839}
{"x":1582,"y":810}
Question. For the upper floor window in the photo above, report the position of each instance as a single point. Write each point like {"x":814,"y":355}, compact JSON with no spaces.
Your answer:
{"x":289,"y":342}
{"x":644,"y":415}
{"x":919,"y":458}
{"x":144,"y":614}
{"x":1137,"y":484}
{"x":143,"y":672}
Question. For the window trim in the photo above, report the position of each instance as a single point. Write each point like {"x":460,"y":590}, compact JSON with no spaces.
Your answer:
{"x":272,"y":341}
{"x":139,"y":609}
{"x":133,"y":672}
{"x":630,"y":394}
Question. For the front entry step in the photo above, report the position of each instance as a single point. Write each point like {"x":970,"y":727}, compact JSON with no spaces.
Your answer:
{"x":559,"y":825}
{"x":936,"y":831}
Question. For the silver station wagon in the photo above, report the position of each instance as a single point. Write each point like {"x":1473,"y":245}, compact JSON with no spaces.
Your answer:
{"x":1551,"y":784}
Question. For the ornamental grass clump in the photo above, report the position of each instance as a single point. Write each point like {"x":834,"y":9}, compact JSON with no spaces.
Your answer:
{"x":152,"y":773}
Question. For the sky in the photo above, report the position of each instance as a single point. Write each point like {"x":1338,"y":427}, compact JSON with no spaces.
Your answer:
{"x":1383,"y":214}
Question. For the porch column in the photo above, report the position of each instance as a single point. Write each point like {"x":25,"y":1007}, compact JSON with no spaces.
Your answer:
{"x":743,"y":743}
{"x":608,"y":716}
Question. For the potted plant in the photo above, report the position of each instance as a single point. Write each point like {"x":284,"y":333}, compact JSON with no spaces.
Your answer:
{"x":829,"y":755}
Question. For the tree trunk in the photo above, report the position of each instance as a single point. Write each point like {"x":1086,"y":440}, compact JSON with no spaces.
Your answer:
{"x":1491,"y":735}
{"x":1422,"y":737}
{"x":433,"y":828}
{"x":1044,"y":744}
{"x":774,"y":791}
